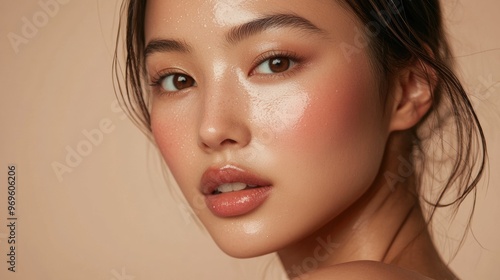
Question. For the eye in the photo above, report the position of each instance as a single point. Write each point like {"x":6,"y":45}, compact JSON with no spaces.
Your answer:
{"x":176,"y":82}
{"x":273,"y":65}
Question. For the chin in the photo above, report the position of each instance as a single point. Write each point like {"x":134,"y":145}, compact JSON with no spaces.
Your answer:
{"x":244,"y":249}
{"x":245,"y":236}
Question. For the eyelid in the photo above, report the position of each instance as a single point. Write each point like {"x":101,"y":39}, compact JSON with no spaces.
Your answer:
{"x":271,"y":54}
{"x":160,"y":75}
{"x":157,"y":79}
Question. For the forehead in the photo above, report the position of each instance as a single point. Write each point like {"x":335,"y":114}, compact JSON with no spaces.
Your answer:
{"x":176,"y":18}
{"x":170,"y":16}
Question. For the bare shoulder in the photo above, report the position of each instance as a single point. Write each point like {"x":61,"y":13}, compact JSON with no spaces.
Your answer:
{"x":364,"y":270}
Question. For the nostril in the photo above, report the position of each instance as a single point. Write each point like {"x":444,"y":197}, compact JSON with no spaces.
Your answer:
{"x":228,"y":142}
{"x":223,"y":132}
{"x":225,"y":142}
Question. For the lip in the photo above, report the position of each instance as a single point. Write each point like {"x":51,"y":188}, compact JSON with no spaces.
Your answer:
{"x":236,"y":203}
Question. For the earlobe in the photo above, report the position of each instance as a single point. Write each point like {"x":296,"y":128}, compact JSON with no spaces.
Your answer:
{"x":412,"y":96}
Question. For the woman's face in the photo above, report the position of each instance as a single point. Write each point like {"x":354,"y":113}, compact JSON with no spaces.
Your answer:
{"x":267,"y":112}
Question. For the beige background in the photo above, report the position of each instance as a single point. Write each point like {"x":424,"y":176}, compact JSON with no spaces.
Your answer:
{"x":112,"y":216}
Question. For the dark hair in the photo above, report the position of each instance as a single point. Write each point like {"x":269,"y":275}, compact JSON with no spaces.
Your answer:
{"x":400,"y":33}
{"x":413,"y":30}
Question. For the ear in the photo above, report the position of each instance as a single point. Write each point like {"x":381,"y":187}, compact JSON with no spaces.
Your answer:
{"x":412,"y":92}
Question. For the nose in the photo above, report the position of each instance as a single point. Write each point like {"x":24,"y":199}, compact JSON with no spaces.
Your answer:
{"x":224,"y":120}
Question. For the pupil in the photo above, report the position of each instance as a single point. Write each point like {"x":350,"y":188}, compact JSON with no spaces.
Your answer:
{"x":181,"y":81}
{"x":279,"y":65}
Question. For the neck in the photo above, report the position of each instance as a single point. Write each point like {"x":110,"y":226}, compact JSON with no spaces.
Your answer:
{"x":385,"y":224}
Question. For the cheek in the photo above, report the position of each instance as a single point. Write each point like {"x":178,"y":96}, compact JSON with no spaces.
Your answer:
{"x":337,"y":145}
{"x":333,"y":153}
{"x":171,"y":132}
{"x":344,"y":114}
{"x":167,"y":135}
{"x":341,"y":115}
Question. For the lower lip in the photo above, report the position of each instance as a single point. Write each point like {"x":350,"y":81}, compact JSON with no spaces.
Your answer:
{"x":237,"y":203}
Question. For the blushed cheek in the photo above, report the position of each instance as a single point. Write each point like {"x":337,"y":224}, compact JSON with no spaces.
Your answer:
{"x":340,"y":113}
{"x":163,"y":137}
{"x":172,"y":139}
{"x":175,"y":145}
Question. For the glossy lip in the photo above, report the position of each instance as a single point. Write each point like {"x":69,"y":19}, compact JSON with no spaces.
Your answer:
{"x":233,"y":203}
{"x":213,"y":177}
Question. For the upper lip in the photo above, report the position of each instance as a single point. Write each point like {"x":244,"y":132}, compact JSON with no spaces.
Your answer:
{"x":213,"y":177}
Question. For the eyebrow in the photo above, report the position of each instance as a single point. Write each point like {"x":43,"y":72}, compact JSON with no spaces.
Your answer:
{"x":240,"y":33}
{"x":166,"y":45}
{"x":259,"y":25}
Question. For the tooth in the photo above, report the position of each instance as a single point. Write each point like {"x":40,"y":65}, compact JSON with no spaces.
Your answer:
{"x":231,"y":187}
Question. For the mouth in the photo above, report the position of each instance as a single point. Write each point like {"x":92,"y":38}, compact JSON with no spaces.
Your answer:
{"x":231,"y":191}
{"x":233,"y":187}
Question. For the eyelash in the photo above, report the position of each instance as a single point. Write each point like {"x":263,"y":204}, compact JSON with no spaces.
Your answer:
{"x":157,"y":79}
{"x":295,"y":58}
{"x":160,"y":75}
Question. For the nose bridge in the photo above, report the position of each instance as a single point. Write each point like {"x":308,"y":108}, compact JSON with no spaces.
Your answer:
{"x":224,"y":120}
